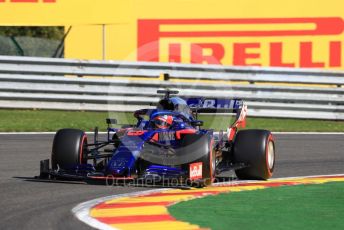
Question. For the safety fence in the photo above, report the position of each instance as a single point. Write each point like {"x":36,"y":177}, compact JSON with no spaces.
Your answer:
{"x":48,"y":83}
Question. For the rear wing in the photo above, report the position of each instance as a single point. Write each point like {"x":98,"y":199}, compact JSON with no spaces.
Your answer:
{"x":215,"y":106}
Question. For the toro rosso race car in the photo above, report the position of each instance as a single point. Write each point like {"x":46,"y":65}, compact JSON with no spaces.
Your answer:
{"x":167,"y":143}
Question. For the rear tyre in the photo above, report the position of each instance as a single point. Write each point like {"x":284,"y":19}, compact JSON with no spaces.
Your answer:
{"x":256,"y":148}
{"x":69,"y":149}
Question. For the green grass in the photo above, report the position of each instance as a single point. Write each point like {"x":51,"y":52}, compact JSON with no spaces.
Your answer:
{"x":296,"y":207}
{"x":49,"y":120}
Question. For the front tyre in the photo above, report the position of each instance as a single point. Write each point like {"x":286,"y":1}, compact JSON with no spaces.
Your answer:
{"x":204,"y":146}
{"x":256,"y":148}
{"x":69,"y":149}
{"x":209,"y":164}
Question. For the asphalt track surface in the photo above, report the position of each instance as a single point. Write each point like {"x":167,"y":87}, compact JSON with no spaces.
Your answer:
{"x":29,"y":204}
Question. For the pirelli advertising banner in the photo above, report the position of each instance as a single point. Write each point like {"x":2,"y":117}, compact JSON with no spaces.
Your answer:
{"x":307,"y":34}
{"x":63,"y":12}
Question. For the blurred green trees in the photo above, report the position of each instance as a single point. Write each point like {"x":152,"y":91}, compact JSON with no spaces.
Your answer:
{"x":32,"y":41}
{"x":55,"y":33}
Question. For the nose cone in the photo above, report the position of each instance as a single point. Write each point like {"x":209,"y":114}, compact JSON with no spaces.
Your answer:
{"x":117,"y":171}
{"x":120,"y":171}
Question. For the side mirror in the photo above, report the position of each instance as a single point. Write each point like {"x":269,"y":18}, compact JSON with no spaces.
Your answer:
{"x":111,"y":121}
{"x":197,"y":123}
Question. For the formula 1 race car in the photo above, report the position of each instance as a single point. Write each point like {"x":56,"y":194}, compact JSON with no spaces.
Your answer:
{"x":166,"y":144}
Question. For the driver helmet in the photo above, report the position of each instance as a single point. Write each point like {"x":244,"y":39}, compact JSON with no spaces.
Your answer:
{"x":163,"y":122}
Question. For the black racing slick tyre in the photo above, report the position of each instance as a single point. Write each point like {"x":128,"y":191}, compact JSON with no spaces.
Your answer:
{"x":204,"y":145}
{"x":69,"y":149}
{"x":209,"y":164}
{"x":255,"y":148}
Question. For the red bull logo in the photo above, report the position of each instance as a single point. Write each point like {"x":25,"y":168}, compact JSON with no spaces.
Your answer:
{"x":284,"y":42}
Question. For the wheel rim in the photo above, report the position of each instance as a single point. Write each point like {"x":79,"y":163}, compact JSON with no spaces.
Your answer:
{"x":213,"y":164}
{"x":83,"y":149}
{"x":271,"y":155}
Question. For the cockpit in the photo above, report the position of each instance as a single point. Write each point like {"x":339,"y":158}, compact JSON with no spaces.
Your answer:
{"x":175,"y":104}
